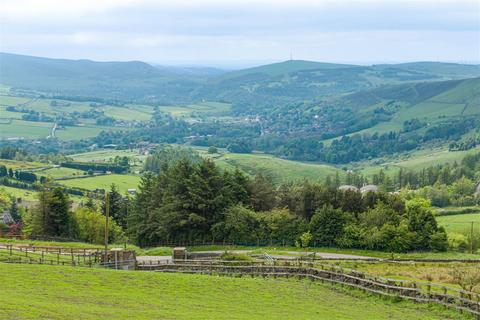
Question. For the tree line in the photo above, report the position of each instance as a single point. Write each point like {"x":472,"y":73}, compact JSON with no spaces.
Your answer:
{"x":189,"y":202}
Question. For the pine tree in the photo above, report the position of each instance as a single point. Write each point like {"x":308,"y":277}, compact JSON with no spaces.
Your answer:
{"x":263,"y":193}
{"x":117,"y":210}
{"x":52,"y":217}
{"x":14,"y":211}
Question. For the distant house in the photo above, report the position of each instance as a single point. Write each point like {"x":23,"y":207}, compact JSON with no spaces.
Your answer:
{"x":369,"y":188}
{"x":132,"y":191}
{"x":348,"y":188}
{"x":6,"y":218}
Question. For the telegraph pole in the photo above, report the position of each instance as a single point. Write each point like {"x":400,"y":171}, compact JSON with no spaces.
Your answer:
{"x":107,"y":211}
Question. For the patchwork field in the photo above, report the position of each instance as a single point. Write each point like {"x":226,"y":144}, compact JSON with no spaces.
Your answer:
{"x":65,"y":292}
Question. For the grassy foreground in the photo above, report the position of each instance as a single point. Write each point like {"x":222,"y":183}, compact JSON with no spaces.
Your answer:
{"x":51,"y":292}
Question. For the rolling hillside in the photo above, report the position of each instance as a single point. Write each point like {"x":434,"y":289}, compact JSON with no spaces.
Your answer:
{"x":124,"y":81}
{"x":296,"y":110}
{"x":282,"y":82}
{"x":430,"y":102}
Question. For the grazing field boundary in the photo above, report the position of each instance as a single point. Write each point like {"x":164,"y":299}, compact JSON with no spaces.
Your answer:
{"x":76,"y":257}
{"x":49,"y":255}
{"x":463,"y":301}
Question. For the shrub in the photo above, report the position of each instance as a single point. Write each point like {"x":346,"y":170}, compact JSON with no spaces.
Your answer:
{"x":230,"y":256}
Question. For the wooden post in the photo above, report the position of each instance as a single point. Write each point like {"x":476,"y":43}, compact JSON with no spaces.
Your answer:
{"x":107,"y":212}
{"x":471,"y":237}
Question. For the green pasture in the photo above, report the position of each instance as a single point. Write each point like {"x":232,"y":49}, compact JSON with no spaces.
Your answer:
{"x":127,"y":113}
{"x":415,"y":161}
{"x":7,"y":100}
{"x":460,"y":223}
{"x":27,"y":195}
{"x":82,"y":132}
{"x":25,"y":129}
{"x":279,"y":170}
{"x":52,"y":292}
{"x":61,"y":172}
{"x":105,"y":155}
{"x":23,"y":165}
{"x":8,"y":114}
{"x":203,"y":107}
{"x":122,"y":181}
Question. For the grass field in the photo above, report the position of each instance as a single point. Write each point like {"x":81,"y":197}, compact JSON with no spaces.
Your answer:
{"x":123,"y":182}
{"x":434,"y":272}
{"x":15,"y":164}
{"x":28,"y":195}
{"x":82,"y":132}
{"x":61,"y":172}
{"x":49,"y":292}
{"x":414,"y":161}
{"x":279,"y":170}
{"x":460,"y":223}
{"x":210,"y":108}
{"x":104,"y":155}
{"x":25,"y":129}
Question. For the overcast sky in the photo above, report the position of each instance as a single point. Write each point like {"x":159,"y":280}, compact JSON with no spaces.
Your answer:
{"x":234,"y":32}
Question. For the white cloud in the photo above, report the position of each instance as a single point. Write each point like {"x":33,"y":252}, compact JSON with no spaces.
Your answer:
{"x":347,"y":30}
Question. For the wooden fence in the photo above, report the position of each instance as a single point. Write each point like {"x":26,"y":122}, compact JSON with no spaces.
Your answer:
{"x":54,"y":255}
{"x":463,"y":301}
{"x":49,"y":255}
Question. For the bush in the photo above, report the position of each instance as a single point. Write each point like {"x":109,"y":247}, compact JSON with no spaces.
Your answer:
{"x":327,"y":225}
{"x":212,"y":150}
{"x":91,"y":227}
{"x":230,"y":256}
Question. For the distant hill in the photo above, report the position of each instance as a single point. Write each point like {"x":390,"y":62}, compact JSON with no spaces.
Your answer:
{"x":285,"y":67}
{"x":300,"y":80}
{"x":133,"y":80}
{"x":442,"y":69}
{"x":249,"y":89}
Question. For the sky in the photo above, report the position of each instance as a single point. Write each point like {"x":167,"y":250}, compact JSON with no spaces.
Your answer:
{"x":231,"y":33}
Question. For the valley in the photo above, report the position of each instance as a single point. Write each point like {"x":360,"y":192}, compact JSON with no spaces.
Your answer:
{"x":266,"y":164}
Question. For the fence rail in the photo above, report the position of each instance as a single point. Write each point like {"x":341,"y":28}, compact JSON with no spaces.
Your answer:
{"x":463,"y":301}
{"x":86,"y":257}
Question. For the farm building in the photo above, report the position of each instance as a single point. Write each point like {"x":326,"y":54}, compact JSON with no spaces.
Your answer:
{"x":369,"y":188}
{"x":6,"y":218}
{"x":348,"y":188}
